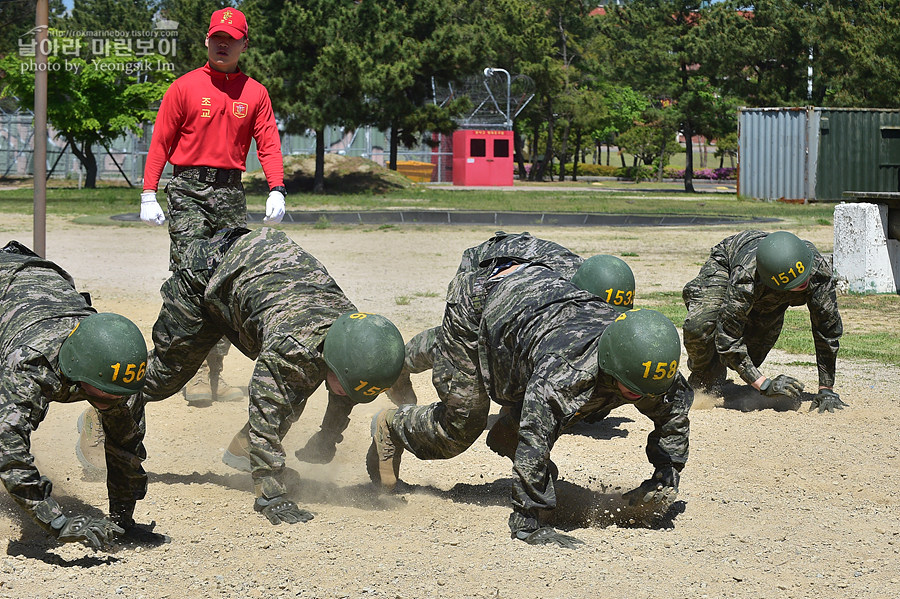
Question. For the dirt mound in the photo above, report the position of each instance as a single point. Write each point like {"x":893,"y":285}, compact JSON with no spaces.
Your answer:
{"x":343,"y":174}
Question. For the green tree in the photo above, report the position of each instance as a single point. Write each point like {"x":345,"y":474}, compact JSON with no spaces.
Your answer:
{"x":652,"y":48}
{"x":652,"y":143}
{"x":414,"y":44}
{"x":854,"y":54}
{"x":589,"y":112}
{"x":17,"y":18}
{"x":761,"y":55}
{"x":624,"y":107}
{"x":311,"y":57}
{"x":726,"y":145}
{"x":111,"y":15}
{"x":522,"y":43}
{"x":798,"y":52}
{"x":543,"y":40}
{"x":90,"y":102}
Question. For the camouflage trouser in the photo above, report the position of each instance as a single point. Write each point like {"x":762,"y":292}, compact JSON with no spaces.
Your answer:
{"x":182,"y":337}
{"x":420,"y":351}
{"x":196,"y":211}
{"x":703,"y":297}
{"x":447,"y":428}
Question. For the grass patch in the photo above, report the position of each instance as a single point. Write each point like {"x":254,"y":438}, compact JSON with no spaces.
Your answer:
{"x":870,"y":325}
{"x":109,"y":200}
{"x":402,"y":300}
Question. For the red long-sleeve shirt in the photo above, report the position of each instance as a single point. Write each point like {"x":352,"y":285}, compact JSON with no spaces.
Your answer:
{"x":209,"y":118}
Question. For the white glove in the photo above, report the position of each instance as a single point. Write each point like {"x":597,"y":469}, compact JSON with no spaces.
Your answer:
{"x":151,"y":212}
{"x":274,"y":207}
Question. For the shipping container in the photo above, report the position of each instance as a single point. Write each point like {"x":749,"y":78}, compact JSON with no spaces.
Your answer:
{"x":812,"y":153}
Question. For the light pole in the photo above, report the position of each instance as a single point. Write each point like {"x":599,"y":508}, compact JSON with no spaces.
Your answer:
{"x":489,"y":72}
{"x":40,"y":128}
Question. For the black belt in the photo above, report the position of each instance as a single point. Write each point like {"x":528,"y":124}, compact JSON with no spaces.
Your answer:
{"x":213,"y":176}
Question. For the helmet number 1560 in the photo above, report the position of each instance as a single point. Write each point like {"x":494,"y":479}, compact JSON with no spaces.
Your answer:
{"x":132,"y":373}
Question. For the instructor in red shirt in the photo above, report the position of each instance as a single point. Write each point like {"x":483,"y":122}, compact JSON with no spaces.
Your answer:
{"x":205,"y":125}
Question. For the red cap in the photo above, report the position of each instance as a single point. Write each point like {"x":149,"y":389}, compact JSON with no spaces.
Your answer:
{"x":230,"y":20}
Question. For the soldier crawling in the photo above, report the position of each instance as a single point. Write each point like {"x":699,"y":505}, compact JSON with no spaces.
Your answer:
{"x":520,"y":334}
{"x":56,"y":348}
{"x":736,"y":309}
{"x":606,"y":276}
{"x":279,"y":306}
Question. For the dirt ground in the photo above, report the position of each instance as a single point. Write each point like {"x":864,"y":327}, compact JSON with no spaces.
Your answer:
{"x":772,"y":503}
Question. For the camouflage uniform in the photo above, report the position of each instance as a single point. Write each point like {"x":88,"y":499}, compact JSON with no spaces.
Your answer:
{"x":451,"y":349}
{"x":536,"y":351}
{"x":734,"y":319}
{"x":40,"y":307}
{"x":198,"y":209}
{"x":502,"y":248}
{"x":275,"y":302}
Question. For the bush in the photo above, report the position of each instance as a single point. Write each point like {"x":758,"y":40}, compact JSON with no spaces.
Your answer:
{"x":714,"y":174}
{"x":601,"y":170}
{"x":645,"y":173}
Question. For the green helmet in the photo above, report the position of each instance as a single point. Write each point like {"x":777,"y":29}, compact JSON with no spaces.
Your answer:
{"x":107,"y":351}
{"x":609,"y":278}
{"x":641,"y":349}
{"x":365,"y":352}
{"x":783,"y":261}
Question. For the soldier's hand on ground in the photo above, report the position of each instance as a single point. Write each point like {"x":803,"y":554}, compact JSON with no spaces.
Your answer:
{"x":280,"y":509}
{"x":142,"y":535}
{"x":782,"y":385}
{"x":662,"y":487}
{"x":274,"y":207}
{"x":320,"y":448}
{"x":96,"y":533}
{"x":548,"y":536}
{"x":151,"y":212}
{"x":826,"y":399}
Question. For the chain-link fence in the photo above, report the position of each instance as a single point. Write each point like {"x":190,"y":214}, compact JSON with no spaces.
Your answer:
{"x":124,"y":160}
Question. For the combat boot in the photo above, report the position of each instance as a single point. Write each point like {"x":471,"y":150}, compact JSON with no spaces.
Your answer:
{"x":383,"y":458}
{"x":91,"y":446}
{"x":401,"y":392}
{"x":223,"y":391}
{"x":237,"y":454}
{"x":198,"y":391}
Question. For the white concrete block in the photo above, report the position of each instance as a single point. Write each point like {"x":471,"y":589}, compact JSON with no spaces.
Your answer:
{"x":864,"y":257}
